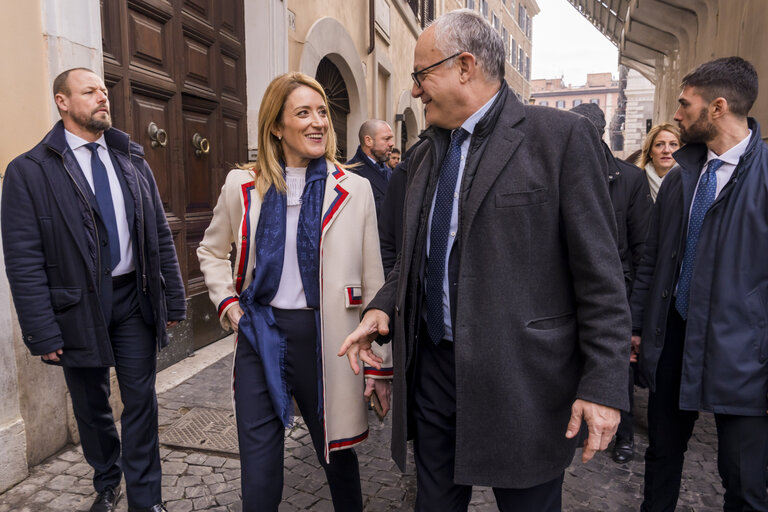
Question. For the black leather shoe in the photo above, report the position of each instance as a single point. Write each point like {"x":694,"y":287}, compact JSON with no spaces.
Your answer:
{"x":154,"y":508}
{"x":106,"y":500}
{"x":623,"y":451}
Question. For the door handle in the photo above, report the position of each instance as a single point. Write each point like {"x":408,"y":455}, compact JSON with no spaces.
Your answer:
{"x":201,"y":144}
{"x":157,"y":135}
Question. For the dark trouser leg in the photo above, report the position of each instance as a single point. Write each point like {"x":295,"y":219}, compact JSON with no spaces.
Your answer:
{"x":669,"y":428}
{"x":546,"y":497}
{"x":133,"y":342}
{"x":742,"y":461}
{"x":626,"y":431}
{"x":89,"y":389}
{"x":260,"y":434}
{"x":301,"y":372}
{"x":435,"y":420}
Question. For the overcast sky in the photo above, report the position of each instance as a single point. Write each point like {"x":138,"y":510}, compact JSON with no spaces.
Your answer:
{"x":566,"y":44}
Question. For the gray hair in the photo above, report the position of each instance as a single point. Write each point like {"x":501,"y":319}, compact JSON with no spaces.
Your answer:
{"x":463,"y":30}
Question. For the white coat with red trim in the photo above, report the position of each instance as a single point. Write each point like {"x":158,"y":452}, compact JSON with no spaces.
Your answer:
{"x":350,"y":275}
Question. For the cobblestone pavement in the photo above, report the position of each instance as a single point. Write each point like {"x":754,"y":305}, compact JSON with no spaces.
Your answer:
{"x":197,"y":480}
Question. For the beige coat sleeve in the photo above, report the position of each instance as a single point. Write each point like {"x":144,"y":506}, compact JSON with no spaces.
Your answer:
{"x":373,"y":279}
{"x":214,"y":251}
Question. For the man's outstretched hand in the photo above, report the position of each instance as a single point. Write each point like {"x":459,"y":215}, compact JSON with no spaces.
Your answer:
{"x":358,"y":343}
{"x":602,"y":422}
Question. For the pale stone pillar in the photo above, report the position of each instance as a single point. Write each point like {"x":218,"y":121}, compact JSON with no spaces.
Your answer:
{"x":266,"y":56}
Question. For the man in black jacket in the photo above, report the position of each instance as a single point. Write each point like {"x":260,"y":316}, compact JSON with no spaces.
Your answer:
{"x":508,"y":303}
{"x":370,"y":160}
{"x":700,"y":301}
{"x":95,"y":281}
{"x":632,"y":205}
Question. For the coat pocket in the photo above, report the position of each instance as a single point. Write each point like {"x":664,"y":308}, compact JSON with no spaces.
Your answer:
{"x":756,"y":305}
{"x":64,"y":298}
{"x":353,"y":296}
{"x":525,"y":198}
{"x":551,"y":322}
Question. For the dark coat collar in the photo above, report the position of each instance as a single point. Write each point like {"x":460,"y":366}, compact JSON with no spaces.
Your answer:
{"x":513,"y":110}
{"x":117,"y":140}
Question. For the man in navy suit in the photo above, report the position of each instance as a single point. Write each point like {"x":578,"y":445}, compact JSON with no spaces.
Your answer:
{"x":95,"y":280}
{"x":376,"y":143}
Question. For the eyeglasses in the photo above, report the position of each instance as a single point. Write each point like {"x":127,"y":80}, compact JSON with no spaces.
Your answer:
{"x":415,"y":74}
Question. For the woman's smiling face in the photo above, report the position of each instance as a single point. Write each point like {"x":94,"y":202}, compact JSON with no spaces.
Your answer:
{"x":303,"y":127}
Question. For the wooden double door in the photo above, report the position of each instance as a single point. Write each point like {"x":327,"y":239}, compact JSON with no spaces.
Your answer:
{"x":175,"y":70}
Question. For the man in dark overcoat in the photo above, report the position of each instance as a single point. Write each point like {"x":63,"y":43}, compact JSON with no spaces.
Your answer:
{"x":510,"y":313}
{"x":700,"y":302}
{"x":372,"y":155}
{"x":95,"y":280}
{"x":632,"y":206}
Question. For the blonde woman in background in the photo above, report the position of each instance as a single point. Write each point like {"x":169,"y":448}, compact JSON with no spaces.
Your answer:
{"x":656,"y":157}
{"x":307,"y":261}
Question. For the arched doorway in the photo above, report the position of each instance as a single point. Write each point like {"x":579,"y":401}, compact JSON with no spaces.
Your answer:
{"x":330,"y":78}
{"x":409,"y":132}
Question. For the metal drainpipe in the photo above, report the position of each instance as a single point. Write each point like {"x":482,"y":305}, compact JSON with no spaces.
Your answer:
{"x":371,"y":28}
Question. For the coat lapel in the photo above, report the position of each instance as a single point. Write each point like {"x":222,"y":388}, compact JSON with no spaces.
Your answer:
{"x":336,"y":196}
{"x":251,"y":210}
{"x":497,"y":150}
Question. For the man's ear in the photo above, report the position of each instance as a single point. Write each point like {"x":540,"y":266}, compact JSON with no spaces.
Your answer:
{"x":61,"y":102}
{"x":368,"y":141}
{"x":467,"y":66}
{"x":719,"y":107}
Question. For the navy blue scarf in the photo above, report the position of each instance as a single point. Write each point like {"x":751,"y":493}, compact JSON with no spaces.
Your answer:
{"x":258,"y":325}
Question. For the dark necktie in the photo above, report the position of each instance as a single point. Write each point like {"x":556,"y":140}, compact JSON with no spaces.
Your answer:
{"x":438,"y":238}
{"x":385,"y":170}
{"x":702,"y":201}
{"x":103,"y":195}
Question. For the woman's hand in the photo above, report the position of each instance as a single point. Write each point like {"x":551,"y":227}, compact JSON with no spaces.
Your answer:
{"x":234,"y":313}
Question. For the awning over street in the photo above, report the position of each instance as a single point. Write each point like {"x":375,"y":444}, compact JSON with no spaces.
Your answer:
{"x":651,"y":33}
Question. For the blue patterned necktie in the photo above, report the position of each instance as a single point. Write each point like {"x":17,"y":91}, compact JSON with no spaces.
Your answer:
{"x":702,"y":201}
{"x":103,"y":195}
{"x":438,"y":238}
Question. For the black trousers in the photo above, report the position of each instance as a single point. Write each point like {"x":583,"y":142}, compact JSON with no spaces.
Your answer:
{"x":435,"y":442}
{"x":261,"y":434}
{"x":133,"y":343}
{"x":742,"y":454}
{"x":626,"y":430}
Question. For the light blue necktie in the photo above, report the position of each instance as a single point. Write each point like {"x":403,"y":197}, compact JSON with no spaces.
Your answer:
{"x":438,"y":238}
{"x":702,"y":201}
{"x":103,"y":195}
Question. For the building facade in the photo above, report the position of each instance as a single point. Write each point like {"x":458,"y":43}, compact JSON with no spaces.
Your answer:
{"x":639,"y":110}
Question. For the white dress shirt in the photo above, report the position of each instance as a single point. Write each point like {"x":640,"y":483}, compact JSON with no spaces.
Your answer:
{"x":468,"y":125}
{"x":83,"y":156}
{"x":730,"y":160}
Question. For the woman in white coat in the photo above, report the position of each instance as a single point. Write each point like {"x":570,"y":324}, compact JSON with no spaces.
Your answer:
{"x":307,"y":261}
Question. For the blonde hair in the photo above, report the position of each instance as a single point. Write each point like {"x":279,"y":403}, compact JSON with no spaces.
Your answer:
{"x":650,"y":139}
{"x":267,"y":170}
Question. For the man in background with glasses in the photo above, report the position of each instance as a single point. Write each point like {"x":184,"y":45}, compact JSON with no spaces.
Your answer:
{"x":510,"y":314}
